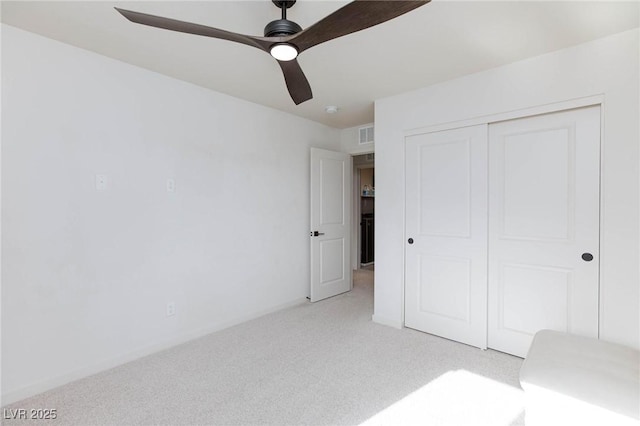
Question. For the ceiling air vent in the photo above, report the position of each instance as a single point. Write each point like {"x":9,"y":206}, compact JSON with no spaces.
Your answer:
{"x":366,"y":134}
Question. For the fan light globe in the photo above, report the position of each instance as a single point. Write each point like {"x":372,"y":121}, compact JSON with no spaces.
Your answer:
{"x":284,"y":52}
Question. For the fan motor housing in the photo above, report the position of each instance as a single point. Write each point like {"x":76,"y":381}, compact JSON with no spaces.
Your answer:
{"x":281,"y":27}
{"x":285,"y":3}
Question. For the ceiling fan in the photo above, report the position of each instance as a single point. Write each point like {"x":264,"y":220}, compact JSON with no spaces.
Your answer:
{"x":285,"y":40}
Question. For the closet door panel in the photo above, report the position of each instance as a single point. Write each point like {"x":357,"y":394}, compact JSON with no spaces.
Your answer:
{"x":543,"y":227}
{"x":446,"y":234}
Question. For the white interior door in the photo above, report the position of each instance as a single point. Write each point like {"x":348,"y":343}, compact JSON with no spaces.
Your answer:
{"x":331,"y":174}
{"x":543,"y":227}
{"x":446,"y":232}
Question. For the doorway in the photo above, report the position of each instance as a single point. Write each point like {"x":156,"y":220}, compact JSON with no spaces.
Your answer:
{"x":364,"y":211}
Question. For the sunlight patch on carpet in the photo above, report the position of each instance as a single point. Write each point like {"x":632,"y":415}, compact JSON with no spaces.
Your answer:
{"x":454,"y":399}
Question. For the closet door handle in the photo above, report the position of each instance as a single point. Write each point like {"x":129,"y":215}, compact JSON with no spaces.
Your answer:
{"x":587,"y":257}
{"x":410,"y":240}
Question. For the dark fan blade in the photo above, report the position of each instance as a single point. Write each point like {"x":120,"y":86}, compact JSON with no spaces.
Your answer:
{"x":190,"y":28}
{"x":297,"y":83}
{"x":355,"y":16}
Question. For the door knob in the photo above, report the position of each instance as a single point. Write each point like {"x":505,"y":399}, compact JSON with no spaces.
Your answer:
{"x":587,"y":257}
{"x":410,"y":240}
{"x":317,"y":234}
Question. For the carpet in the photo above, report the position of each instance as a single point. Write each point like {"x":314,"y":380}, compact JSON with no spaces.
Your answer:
{"x":324,"y":363}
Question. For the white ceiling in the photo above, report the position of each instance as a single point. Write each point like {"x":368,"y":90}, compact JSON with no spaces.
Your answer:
{"x":437,"y":42}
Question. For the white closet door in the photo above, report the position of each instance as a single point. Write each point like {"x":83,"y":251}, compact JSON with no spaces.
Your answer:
{"x":543,"y":227}
{"x":446,"y":234}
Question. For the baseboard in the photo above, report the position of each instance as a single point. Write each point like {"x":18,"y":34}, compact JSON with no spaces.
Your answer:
{"x":239,"y":320}
{"x":386,"y":321}
{"x":45,"y":385}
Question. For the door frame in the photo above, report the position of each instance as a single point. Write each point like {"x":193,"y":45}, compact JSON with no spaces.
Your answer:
{"x":595,"y":100}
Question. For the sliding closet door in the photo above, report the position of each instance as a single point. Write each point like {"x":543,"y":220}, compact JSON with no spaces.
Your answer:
{"x":446,"y":234}
{"x":543,"y":227}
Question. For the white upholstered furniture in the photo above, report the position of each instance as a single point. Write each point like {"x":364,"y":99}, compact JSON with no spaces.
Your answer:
{"x":572,"y":380}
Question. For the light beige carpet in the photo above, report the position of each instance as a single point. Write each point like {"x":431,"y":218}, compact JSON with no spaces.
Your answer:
{"x":314,"y":364}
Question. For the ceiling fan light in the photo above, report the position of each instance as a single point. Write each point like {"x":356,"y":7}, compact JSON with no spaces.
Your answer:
{"x":284,"y":51}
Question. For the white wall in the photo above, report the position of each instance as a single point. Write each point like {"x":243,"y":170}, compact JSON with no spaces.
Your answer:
{"x":86,"y":275}
{"x":350,"y":141}
{"x":0,"y":225}
{"x":608,"y":67}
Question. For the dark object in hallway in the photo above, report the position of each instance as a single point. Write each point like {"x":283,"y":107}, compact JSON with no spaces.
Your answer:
{"x":366,"y":242}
